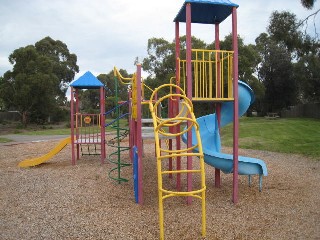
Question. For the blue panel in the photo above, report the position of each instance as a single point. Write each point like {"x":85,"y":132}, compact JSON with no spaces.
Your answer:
{"x":87,"y":81}
{"x":206,"y":11}
{"x":135,"y":173}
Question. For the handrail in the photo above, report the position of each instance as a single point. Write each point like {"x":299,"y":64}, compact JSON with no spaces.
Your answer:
{"x":123,"y":80}
{"x":212,"y":75}
{"x":143,"y":86}
{"x":116,"y":107}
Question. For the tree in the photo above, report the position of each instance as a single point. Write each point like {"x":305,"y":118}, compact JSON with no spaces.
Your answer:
{"x":307,"y":70}
{"x":90,"y":99}
{"x":160,"y":63}
{"x":64,"y":63}
{"x":284,"y":30}
{"x":308,"y":3}
{"x":37,"y":81}
{"x":276,"y":73}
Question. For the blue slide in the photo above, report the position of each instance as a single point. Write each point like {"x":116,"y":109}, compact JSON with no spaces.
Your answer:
{"x":211,"y":142}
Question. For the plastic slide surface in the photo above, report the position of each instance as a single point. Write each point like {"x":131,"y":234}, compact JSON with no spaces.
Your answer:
{"x":36,"y":161}
{"x":211,"y":142}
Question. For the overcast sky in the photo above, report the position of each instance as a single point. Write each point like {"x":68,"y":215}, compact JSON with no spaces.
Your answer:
{"x":105,"y":33}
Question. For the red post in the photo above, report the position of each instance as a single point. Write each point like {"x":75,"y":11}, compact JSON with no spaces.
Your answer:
{"x":178,"y":139}
{"x":189,"y":91}
{"x":73,"y":157}
{"x":236,"y":106}
{"x":139,"y":136}
{"x":77,"y":121}
{"x":102,"y":124}
{"x":218,"y":105}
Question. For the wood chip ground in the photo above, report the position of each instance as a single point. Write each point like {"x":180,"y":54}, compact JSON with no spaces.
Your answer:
{"x":59,"y":201}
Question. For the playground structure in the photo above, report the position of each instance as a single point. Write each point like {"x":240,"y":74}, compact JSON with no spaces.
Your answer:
{"x":87,"y":130}
{"x":205,"y":76}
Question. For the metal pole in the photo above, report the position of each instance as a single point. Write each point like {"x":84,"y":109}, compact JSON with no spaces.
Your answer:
{"x":102,"y":124}
{"x":218,"y":105}
{"x":73,"y":157}
{"x":178,"y":139}
{"x":236,"y":106}
{"x":189,"y":92}
{"x":139,"y":135}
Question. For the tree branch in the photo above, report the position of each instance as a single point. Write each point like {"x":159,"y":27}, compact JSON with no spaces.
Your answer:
{"x":307,"y":19}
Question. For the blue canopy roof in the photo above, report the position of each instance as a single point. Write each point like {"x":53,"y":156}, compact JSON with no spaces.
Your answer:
{"x":206,"y":11}
{"x":87,"y":81}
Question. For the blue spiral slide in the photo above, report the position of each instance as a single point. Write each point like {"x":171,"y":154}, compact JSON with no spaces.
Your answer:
{"x":211,"y":142}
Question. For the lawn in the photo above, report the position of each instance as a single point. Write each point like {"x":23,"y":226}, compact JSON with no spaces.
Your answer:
{"x":298,"y":135}
{"x":60,"y":129}
{"x":291,"y":135}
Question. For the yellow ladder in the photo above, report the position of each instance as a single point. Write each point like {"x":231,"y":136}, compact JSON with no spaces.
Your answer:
{"x":161,"y":127}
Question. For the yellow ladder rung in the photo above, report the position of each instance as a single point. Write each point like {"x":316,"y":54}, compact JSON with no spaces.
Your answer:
{"x":180,"y":195}
{"x":179,"y":155}
{"x":181,"y":171}
{"x":191,"y":193}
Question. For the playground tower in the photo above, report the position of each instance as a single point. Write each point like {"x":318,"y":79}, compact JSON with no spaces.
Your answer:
{"x":87,"y":129}
{"x":210,"y":75}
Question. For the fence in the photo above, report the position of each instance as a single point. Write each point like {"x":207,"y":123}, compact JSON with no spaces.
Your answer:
{"x":309,"y":110}
{"x":10,"y":116}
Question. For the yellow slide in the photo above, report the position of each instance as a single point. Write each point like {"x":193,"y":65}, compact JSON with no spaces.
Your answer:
{"x":36,"y":161}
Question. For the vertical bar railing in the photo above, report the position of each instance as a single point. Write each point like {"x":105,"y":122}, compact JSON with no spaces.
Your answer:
{"x":207,"y":67}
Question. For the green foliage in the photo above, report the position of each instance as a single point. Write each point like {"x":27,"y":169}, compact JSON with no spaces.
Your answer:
{"x":307,"y":70}
{"x":308,"y":3}
{"x":38,"y":79}
{"x":290,"y":62}
{"x":276,"y":73}
{"x":5,"y":140}
{"x":283,"y":29}
{"x":90,"y":99}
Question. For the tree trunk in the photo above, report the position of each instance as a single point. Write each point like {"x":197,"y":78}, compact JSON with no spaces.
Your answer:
{"x":24,"y":118}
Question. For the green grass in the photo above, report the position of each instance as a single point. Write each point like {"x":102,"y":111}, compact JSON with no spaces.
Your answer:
{"x":61,"y":130}
{"x":5,"y":140}
{"x":301,"y":136}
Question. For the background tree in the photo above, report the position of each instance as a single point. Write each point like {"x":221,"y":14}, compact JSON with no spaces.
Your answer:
{"x":276,"y":73}
{"x":64,"y":63}
{"x":307,"y":70}
{"x":304,"y":52}
{"x":283,"y":29}
{"x":90,"y":99}
{"x":110,"y":83}
{"x":308,"y":3}
{"x":36,"y":84}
